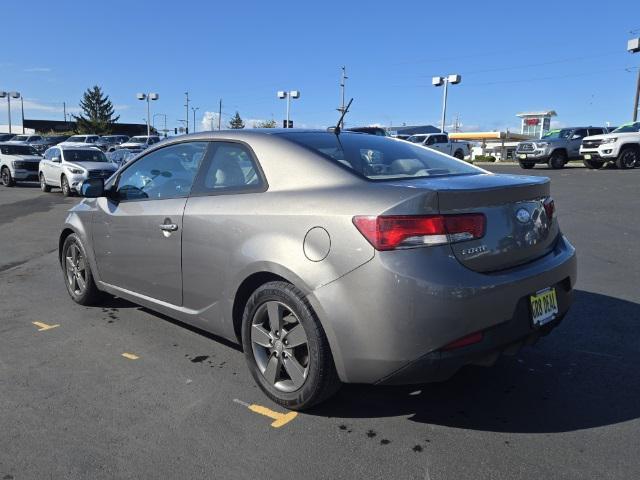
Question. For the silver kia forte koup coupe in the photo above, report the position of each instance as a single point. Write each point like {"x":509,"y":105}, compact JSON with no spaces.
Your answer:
{"x":331,"y":257}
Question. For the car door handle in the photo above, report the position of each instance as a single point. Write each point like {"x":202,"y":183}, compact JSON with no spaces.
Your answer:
{"x":168,"y":227}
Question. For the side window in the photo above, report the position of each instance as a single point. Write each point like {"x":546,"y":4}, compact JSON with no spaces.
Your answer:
{"x":165,"y":173}
{"x":430,"y":140}
{"x":596,"y":131}
{"x":441,"y":139}
{"x":581,"y":132}
{"x":230,"y":168}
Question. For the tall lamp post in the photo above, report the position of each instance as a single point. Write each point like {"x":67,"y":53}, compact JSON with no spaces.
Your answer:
{"x":288,"y":96}
{"x":148,"y":97}
{"x":633,"y":46}
{"x":193,"y":109}
{"x":9,"y":96}
{"x":438,"y":82}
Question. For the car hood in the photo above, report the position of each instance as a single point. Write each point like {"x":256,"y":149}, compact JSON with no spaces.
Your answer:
{"x":92,"y":165}
{"x":633,"y":135}
{"x":132,"y":144}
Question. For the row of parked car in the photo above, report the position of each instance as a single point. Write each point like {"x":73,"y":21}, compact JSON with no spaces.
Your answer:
{"x":70,"y":161}
{"x":595,"y":146}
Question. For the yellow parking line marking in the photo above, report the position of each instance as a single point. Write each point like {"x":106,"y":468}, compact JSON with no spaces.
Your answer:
{"x":130,"y":356}
{"x":43,"y":326}
{"x":279,"y":419}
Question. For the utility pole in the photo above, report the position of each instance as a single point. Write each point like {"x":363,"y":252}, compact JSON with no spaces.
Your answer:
{"x":22,"y":109}
{"x":64,"y":112}
{"x":187,"y":110}
{"x":633,"y":46}
{"x":219,"y":114}
{"x":343,"y":79}
{"x":194,"y":117}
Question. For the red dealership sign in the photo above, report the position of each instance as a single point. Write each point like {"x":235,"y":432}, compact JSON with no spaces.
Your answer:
{"x":532,"y":121}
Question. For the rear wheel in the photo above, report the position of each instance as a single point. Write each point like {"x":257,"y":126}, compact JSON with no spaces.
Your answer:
{"x":628,"y":158}
{"x":66,"y":189}
{"x":593,"y":164}
{"x":527,"y":165}
{"x":43,"y":184}
{"x":77,"y":272}
{"x":286,"y":348}
{"x":6,"y":178}
{"x":459,"y":155}
{"x":558,"y":159}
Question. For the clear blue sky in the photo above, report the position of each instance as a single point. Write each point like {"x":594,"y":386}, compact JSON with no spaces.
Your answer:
{"x":569,"y":56}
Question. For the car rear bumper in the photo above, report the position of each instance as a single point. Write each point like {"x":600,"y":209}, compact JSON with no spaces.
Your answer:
{"x":388,"y":320}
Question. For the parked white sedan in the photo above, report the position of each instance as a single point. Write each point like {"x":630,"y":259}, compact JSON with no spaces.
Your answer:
{"x":68,"y":167}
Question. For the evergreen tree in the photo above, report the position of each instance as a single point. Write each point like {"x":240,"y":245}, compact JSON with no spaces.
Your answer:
{"x":266,"y":124}
{"x":97,"y":115}
{"x":236,"y":122}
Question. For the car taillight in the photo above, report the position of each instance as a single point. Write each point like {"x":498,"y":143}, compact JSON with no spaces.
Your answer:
{"x":405,"y":231}
{"x":549,"y":207}
{"x":464,"y":341}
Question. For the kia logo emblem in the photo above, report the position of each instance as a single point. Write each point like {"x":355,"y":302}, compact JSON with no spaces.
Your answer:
{"x":523,"y":215}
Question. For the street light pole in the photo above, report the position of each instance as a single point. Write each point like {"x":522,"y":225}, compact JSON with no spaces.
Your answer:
{"x":288,"y":96}
{"x":9,"y":96}
{"x":22,"y":111}
{"x":194,"y":117}
{"x":187,"y":110}
{"x":440,"y":81}
{"x":148,"y":97}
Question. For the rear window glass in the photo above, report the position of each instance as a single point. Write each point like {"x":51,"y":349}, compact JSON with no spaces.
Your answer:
{"x":380,"y":158}
{"x":17,"y":150}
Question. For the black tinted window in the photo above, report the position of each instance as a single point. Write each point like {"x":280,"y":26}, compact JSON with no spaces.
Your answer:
{"x":84,"y":156}
{"x":17,"y":150}
{"x":596,"y":131}
{"x":164,"y":173}
{"x":231,"y":167}
{"x":581,"y":132}
{"x":380,"y":158}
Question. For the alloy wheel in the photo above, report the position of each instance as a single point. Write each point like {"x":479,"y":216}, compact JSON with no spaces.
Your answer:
{"x":280,"y":346}
{"x":628,"y":159}
{"x":75,"y":266}
{"x":6,"y":177}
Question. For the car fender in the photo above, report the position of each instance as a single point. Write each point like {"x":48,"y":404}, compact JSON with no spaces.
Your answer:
{"x":82,"y":228}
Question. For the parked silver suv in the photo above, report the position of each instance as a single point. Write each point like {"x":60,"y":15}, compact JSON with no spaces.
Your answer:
{"x":68,"y":167}
{"x":556,"y":147}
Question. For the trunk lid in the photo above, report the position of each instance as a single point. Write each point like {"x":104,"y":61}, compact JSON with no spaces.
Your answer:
{"x":518,"y":228}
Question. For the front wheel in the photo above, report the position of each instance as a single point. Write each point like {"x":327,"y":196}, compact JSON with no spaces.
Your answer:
{"x":286,"y":348}
{"x":43,"y":184}
{"x":628,"y":158}
{"x":557,"y":160}
{"x":593,"y":164}
{"x":7,"y":179}
{"x":66,"y":189}
{"x":459,"y":155}
{"x":77,"y":272}
{"x":527,"y":165}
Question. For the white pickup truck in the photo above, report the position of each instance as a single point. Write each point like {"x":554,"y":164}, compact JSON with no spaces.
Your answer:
{"x":442,"y":143}
{"x":622,"y":146}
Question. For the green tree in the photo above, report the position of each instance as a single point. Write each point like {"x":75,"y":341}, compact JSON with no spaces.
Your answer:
{"x":236,"y":122}
{"x":266,"y":124}
{"x":97,"y":115}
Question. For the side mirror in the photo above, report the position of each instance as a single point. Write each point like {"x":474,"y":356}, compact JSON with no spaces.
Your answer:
{"x":92,"y":188}
{"x":56,"y":159}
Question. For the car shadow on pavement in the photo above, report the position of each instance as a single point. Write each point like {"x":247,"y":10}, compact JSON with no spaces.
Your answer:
{"x":583,"y":375}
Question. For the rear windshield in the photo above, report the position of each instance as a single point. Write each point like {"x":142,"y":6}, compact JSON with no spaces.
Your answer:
{"x":17,"y":150}
{"x":84,"y":156}
{"x":380,"y":158}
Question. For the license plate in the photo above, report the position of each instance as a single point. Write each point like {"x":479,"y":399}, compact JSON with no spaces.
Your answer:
{"x":544,"y":306}
{"x":523,"y":156}
{"x":587,"y":157}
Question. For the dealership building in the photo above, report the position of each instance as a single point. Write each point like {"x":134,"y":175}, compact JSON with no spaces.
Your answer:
{"x":535,"y":124}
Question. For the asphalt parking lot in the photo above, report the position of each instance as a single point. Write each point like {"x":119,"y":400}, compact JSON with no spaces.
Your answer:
{"x":121,"y":392}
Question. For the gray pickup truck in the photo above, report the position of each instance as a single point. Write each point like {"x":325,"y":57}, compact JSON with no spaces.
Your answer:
{"x":556,"y":147}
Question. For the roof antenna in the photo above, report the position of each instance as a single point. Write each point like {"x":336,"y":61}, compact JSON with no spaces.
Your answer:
{"x":338,"y":127}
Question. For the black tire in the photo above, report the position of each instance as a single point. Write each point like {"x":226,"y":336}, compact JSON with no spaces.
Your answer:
{"x":321,"y":379}
{"x":629,"y":157}
{"x":557,"y":160}
{"x":66,"y":188}
{"x":7,"y":179}
{"x":593,"y":164}
{"x":43,"y":184}
{"x":87,"y":295}
{"x":459,"y":155}
{"x":527,"y":165}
